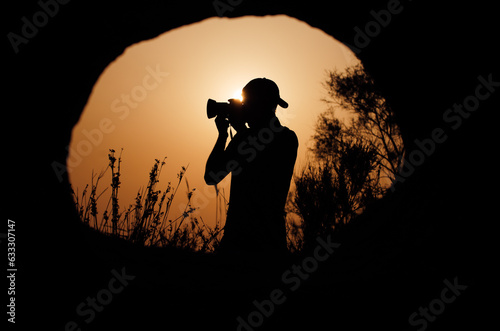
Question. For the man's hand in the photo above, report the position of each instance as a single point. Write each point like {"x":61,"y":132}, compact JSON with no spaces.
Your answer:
{"x":222,"y":125}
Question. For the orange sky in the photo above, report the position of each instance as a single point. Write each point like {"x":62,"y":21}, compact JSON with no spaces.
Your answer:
{"x":151,"y":101}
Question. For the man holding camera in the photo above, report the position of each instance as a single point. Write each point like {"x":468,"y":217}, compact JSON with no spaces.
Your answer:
{"x":261,"y":158}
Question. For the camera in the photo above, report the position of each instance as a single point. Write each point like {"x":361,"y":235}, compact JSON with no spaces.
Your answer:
{"x":223,"y":109}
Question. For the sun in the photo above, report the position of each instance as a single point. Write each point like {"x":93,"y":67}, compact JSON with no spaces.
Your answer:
{"x":238,"y":95}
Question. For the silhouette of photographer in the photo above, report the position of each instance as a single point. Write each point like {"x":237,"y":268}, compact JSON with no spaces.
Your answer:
{"x":261,"y":158}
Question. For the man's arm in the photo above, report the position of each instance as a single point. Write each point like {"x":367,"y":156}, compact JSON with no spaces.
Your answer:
{"x":215,"y":169}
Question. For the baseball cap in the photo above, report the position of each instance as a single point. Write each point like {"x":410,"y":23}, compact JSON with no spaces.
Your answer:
{"x":266,"y":90}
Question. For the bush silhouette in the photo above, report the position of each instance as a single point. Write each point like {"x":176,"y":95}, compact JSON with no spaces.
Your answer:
{"x":148,"y":222}
{"x":353,"y":163}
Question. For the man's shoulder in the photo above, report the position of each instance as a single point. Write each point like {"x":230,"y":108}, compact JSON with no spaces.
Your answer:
{"x":287,"y":135}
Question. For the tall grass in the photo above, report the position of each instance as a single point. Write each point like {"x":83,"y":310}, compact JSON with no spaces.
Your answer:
{"x":149,"y":220}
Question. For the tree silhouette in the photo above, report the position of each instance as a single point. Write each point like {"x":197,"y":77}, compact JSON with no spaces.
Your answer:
{"x":355,"y":91}
{"x":351,"y":164}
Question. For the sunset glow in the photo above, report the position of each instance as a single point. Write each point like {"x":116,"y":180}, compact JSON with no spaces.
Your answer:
{"x":237,"y":95}
{"x":151,"y":100}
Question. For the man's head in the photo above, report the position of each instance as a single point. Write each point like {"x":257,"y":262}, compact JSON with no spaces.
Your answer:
{"x":261,"y":96}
